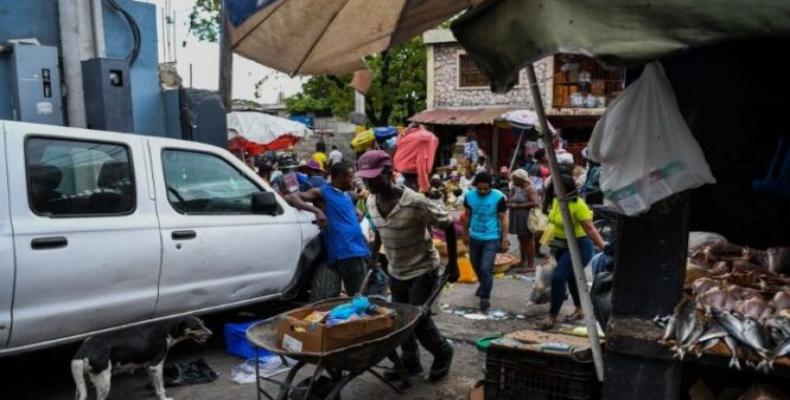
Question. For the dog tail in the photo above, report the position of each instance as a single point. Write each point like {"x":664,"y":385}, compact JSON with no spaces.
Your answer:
{"x":78,"y":368}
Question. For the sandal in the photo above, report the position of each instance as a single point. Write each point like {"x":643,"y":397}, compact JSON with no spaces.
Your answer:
{"x":576,"y":316}
{"x":546,"y":324}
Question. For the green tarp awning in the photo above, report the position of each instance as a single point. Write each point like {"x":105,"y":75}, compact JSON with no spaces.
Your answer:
{"x":504,"y":35}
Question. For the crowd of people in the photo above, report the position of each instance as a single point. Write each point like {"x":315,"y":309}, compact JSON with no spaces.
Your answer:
{"x":402,"y":218}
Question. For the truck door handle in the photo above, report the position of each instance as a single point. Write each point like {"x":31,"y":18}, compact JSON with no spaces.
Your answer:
{"x":54,"y":242}
{"x":183,"y":235}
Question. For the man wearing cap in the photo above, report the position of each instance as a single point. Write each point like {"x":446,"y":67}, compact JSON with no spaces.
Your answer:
{"x":402,"y":218}
{"x":346,"y":246}
{"x":315,"y":174}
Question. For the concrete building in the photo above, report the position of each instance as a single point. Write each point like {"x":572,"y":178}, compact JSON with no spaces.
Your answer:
{"x":574,"y":89}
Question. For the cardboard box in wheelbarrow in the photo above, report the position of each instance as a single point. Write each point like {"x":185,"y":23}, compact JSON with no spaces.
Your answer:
{"x":297,"y":335}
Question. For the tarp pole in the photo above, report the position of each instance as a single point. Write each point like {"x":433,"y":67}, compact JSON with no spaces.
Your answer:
{"x":573,"y":244}
{"x":518,"y":148}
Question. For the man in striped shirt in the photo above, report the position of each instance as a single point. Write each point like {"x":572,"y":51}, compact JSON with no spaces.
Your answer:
{"x":402,"y":219}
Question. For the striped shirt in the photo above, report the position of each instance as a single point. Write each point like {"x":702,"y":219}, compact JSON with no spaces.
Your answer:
{"x":405,"y":233}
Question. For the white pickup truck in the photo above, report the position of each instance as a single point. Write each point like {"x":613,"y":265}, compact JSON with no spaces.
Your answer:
{"x":102,"y":230}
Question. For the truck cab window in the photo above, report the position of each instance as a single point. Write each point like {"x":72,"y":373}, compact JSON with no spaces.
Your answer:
{"x":202,"y":183}
{"x":78,"y":178}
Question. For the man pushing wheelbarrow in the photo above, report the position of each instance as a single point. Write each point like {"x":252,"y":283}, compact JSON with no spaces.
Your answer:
{"x":402,"y":219}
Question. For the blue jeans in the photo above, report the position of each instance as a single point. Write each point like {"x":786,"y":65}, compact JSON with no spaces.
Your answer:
{"x":563,"y":275}
{"x":482,"y":254}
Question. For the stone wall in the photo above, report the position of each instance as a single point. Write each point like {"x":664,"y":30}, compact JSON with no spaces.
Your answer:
{"x":448,"y":94}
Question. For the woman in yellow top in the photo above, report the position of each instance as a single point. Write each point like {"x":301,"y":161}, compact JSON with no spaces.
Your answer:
{"x":586,"y":235}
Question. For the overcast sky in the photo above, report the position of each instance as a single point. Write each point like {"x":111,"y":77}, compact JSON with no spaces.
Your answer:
{"x":204,"y":58}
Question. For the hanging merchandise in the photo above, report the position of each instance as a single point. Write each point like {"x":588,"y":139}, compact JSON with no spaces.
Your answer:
{"x":363,"y":140}
{"x":415,"y":154}
{"x":646,"y":150}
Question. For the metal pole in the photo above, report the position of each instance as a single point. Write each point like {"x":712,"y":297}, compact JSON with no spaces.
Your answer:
{"x":518,"y":148}
{"x":573,"y":244}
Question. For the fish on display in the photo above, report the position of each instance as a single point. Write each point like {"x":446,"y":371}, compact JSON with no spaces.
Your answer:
{"x":684,"y":326}
{"x":783,"y":349}
{"x":698,"y":328}
{"x":754,"y":335}
{"x":713,"y":334}
{"x":668,"y":323}
{"x":732,"y":344}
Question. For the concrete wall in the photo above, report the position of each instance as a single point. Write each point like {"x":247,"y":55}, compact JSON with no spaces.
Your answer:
{"x":343,"y":133}
{"x":39,"y":19}
{"x":446,"y":92}
{"x":25,"y":19}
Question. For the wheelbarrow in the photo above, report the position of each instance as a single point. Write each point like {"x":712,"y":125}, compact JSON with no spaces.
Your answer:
{"x":336,"y":368}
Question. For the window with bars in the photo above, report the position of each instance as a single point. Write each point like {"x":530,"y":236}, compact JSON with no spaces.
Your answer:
{"x":581,"y":82}
{"x":469,"y":75}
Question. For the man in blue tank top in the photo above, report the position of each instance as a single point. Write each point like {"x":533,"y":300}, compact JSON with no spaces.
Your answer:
{"x":333,"y":205}
{"x":486,"y":232}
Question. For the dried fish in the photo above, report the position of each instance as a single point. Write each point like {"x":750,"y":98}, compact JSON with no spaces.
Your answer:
{"x":781,"y":300}
{"x":684,"y":321}
{"x":668,"y":323}
{"x":698,"y":323}
{"x":733,"y":346}
{"x":754,"y":333}
{"x":782,"y":350}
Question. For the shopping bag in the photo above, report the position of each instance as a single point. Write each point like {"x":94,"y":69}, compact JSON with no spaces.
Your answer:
{"x":541,"y":292}
{"x":646,"y":150}
{"x":548,"y":234}
{"x":537,"y":220}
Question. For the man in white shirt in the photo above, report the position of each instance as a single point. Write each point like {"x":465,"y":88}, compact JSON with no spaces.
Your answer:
{"x":335,"y":156}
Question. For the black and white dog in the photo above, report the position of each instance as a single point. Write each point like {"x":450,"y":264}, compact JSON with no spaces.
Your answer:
{"x":124,"y":351}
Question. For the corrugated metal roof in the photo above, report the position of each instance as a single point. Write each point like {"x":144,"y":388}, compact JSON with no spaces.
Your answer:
{"x":443,"y":116}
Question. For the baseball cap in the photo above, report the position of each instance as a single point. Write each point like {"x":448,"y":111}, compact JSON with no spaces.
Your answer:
{"x":372,"y":163}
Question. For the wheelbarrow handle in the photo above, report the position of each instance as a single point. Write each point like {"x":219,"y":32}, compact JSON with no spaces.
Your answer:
{"x":436,"y":290}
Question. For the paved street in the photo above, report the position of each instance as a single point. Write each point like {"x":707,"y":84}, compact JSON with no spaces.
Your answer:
{"x":45,"y":375}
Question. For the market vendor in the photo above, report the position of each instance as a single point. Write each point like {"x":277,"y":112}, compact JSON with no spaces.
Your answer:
{"x":402,"y":218}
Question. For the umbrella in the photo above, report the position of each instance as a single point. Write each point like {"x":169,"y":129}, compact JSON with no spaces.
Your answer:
{"x":329,"y":36}
{"x":256,"y":132}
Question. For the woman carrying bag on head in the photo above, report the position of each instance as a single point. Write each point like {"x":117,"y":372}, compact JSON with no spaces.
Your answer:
{"x":522,"y":199}
{"x":586,"y":235}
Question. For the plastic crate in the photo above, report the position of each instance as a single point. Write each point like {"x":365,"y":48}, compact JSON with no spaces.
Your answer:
{"x":523,"y":374}
{"x":236,"y":342}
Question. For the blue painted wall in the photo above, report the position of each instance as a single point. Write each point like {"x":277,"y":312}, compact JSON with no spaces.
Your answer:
{"x":147,"y":103}
{"x":39,"y":19}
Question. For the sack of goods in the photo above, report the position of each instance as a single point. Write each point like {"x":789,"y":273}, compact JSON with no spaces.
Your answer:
{"x":646,"y":150}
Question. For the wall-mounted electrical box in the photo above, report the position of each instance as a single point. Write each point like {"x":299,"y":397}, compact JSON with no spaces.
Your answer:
{"x":108,"y":94}
{"x":34,"y":77}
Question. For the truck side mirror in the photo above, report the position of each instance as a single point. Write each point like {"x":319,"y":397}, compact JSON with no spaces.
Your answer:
{"x":265,"y":203}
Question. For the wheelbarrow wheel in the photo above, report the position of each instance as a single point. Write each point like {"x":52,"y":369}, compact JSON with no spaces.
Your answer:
{"x":321,"y":388}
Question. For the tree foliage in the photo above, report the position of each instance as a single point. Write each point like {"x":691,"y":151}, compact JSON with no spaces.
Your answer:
{"x":396,"y":93}
{"x":204,"y":20}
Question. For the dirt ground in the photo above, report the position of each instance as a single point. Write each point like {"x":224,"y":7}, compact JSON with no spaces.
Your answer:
{"x":46,"y":375}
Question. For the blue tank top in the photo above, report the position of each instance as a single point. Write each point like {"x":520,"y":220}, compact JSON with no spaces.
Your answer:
{"x":484,"y":224}
{"x":343,"y":235}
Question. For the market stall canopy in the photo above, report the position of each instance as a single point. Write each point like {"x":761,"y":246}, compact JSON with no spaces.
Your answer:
{"x":329,"y":36}
{"x":524,"y":119}
{"x":503,"y":36}
{"x":255,"y":132}
{"x":475,"y":116}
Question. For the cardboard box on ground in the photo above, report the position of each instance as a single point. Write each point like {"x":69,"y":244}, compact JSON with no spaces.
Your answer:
{"x":297,"y":335}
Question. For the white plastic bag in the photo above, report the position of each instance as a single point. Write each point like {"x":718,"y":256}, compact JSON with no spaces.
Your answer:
{"x":646,"y":150}
{"x":541,"y":292}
